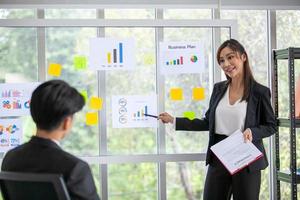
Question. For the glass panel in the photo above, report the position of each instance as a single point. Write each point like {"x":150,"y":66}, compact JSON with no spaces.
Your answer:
{"x":97,"y":177}
{"x":129,"y":13}
{"x":283,"y":87}
{"x":284,"y":149}
{"x":140,"y":81}
{"x":185,"y":180}
{"x":18,"y":50}
{"x":187,"y":14}
{"x":132,"y":181}
{"x":17,"y":14}
{"x":18,"y":63}
{"x":287,"y":25}
{"x":184,"y":141}
{"x":285,"y":190}
{"x":253,"y":35}
{"x":70,"y":13}
{"x":62,"y":45}
{"x":287,"y":28}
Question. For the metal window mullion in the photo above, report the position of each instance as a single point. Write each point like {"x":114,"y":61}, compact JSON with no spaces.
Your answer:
{"x":271,"y":27}
{"x":144,"y":158}
{"x":41,"y":48}
{"x":161,"y":132}
{"x":132,"y":23}
{"x":101,"y":80}
{"x":216,"y":35}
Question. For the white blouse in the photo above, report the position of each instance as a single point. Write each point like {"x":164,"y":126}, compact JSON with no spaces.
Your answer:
{"x":229,"y":118}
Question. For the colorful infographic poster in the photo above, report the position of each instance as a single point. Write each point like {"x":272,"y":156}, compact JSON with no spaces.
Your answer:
{"x":181,"y":57}
{"x":111,"y":54}
{"x":15,"y":98}
{"x":10,"y":134}
{"x":131,"y":111}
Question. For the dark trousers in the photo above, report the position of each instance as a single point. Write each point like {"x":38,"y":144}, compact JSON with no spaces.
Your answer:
{"x":220,"y":185}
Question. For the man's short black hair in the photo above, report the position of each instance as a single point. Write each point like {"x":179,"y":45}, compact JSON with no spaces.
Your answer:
{"x":52,"y":102}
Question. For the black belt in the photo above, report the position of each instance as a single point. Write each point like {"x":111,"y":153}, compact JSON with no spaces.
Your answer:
{"x":218,"y":137}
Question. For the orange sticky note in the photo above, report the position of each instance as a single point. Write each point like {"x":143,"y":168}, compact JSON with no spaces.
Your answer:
{"x":95,"y":103}
{"x":176,"y":94}
{"x":91,"y":118}
{"x":54,"y":69}
{"x":198,"y":93}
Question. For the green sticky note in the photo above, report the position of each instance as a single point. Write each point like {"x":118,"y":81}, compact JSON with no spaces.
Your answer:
{"x":149,"y":59}
{"x":84,"y":94}
{"x":80,"y":62}
{"x":189,"y":114}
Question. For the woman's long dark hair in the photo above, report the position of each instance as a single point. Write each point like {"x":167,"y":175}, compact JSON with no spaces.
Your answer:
{"x":235,"y":46}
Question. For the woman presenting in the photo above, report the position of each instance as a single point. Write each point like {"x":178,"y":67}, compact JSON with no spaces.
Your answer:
{"x":237,"y":103}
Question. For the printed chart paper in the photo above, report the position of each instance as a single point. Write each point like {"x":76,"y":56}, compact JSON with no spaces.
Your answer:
{"x":129,"y":111}
{"x":181,"y":57}
{"x":10,"y":134}
{"x":111,"y":54}
{"x":15,"y":98}
{"x":234,"y":153}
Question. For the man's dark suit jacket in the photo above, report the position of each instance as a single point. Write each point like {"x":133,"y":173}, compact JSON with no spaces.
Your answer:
{"x":260,"y":119}
{"x":41,"y":155}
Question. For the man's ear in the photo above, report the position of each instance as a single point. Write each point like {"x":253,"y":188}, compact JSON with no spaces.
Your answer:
{"x":67,"y":123}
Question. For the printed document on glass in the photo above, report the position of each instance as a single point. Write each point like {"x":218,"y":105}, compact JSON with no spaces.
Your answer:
{"x":234,"y":153}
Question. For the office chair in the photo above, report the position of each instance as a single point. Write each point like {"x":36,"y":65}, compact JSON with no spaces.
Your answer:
{"x":32,"y":186}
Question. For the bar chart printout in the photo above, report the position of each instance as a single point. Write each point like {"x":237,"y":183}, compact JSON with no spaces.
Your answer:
{"x":131,"y":111}
{"x":116,"y":56}
{"x":140,"y":114}
{"x":181,"y":57}
{"x":111,"y":54}
{"x":15,"y":98}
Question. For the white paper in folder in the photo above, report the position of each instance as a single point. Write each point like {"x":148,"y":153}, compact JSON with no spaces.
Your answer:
{"x":234,"y":153}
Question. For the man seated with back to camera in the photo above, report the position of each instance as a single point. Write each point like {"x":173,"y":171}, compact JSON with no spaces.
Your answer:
{"x":53,"y":105}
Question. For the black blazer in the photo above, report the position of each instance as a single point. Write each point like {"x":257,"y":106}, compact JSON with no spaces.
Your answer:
{"x":45,"y":156}
{"x":260,"y":119}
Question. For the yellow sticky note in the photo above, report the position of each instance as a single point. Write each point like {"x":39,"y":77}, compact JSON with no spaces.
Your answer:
{"x":149,"y":59}
{"x":95,"y":103}
{"x":80,"y":62}
{"x":91,"y":118}
{"x":176,"y":94}
{"x":54,"y":69}
{"x":84,"y":94}
{"x":198,"y":93}
{"x":190,"y":115}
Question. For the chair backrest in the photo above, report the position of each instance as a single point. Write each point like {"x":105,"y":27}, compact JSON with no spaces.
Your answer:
{"x":33,"y":186}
